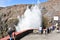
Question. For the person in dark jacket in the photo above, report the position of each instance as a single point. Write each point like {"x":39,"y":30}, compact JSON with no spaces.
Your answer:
{"x":10,"y":31}
{"x":48,"y":31}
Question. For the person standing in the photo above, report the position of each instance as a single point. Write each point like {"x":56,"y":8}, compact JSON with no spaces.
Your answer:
{"x":10,"y":31}
{"x":40,"y":28}
{"x":48,"y":31}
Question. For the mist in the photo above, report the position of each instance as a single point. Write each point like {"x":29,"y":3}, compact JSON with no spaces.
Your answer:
{"x":32,"y":19}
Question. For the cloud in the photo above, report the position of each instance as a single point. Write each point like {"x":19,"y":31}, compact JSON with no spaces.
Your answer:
{"x":3,"y":2}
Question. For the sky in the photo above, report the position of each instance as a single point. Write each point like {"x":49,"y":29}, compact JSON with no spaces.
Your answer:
{"x":4,"y":3}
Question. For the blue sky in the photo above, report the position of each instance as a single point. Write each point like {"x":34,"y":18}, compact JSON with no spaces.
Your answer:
{"x":13,"y":2}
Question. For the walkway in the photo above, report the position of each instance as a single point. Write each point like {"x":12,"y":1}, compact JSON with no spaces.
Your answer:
{"x":51,"y":36}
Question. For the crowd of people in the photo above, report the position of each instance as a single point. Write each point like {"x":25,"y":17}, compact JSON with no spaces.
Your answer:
{"x":48,"y":30}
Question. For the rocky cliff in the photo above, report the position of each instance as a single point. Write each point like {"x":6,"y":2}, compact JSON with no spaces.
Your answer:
{"x":8,"y":17}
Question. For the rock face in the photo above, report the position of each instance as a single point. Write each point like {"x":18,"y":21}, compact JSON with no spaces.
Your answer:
{"x":8,"y":17}
{"x":1,"y":8}
{"x":8,"y":14}
{"x":52,"y":6}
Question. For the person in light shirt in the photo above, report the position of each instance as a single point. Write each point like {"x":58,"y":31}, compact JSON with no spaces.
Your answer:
{"x":41,"y":30}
